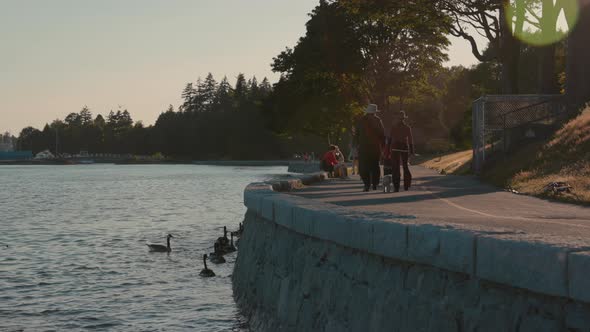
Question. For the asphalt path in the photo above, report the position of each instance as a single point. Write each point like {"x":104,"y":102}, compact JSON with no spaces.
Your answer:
{"x":436,"y":198}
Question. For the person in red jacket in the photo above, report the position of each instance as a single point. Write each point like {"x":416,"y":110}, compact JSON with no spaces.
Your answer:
{"x":329,"y":160}
{"x":401,"y":146}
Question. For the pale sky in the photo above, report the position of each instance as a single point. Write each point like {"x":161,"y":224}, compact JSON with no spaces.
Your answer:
{"x":58,"y":55}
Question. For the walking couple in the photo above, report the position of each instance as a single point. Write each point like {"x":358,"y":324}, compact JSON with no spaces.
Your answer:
{"x":373,"y":146}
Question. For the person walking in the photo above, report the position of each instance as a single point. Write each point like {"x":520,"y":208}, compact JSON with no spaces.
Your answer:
{"x":401,"y":147}
{"x":370,"y":140}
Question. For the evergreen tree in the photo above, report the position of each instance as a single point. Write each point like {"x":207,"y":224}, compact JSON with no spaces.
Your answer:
{"x":199,"y":99}
{"x":188,"y":95}
{"x":207,"y":92}
{"x":85,"y":116}
{"x":240,"y":89}
{"x":223,"y":97}
{"x":253,"y":89}
{"x":99,"y":121}
{"x":265,"y":88}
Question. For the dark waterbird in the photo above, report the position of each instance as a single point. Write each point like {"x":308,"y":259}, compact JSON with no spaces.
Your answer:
{"x":160,"y":247}
{"x":239,"y":232}
{"x":216,"y":256}
{"x":206,"y":272}
{"x":230,"y":247}
{"x":223,"y":240}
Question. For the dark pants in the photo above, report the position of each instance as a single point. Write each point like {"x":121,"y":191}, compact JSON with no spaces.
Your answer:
{"x":398,"y":157}
{"x":369,"y":169}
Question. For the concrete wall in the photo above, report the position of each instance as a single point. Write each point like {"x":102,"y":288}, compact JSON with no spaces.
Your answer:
{"x":304,"y":265}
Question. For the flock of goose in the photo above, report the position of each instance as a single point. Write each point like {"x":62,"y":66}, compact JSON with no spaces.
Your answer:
{"x":223,"y":245}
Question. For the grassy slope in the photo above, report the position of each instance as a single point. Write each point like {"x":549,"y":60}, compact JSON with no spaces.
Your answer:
{"x":457,"y":163}
{"x":563,"y":158}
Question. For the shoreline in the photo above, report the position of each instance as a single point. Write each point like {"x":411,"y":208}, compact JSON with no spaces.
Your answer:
{"x":241,"y":163}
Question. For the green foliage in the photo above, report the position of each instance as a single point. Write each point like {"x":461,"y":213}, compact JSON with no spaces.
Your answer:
{"x":355,"y":52}
{"x":215,"y":121}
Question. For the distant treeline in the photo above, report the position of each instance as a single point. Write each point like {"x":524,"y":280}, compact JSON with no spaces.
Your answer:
{"x":216,"y":121}
{"x":353,"y":52}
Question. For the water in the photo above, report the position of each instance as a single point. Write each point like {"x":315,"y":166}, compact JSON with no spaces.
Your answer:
{"x":73,"y":254}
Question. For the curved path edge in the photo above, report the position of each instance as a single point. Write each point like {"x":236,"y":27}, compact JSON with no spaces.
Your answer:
{"x":538,"y":264}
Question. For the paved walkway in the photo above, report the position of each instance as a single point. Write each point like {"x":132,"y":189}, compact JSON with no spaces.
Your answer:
{"x":437,"y":198}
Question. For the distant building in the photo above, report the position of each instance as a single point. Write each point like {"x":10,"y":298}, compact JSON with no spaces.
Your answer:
{"x":44,"y":155}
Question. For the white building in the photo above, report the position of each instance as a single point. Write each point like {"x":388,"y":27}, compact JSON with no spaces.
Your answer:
{"x":44,"y":155}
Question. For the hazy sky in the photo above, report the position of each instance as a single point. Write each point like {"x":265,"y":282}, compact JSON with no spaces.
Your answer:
{"x":59,"y":55}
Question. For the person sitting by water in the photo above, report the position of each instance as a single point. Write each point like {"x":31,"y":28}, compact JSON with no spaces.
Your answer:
{"x":329,"y":161}
{"x":340,"y":169}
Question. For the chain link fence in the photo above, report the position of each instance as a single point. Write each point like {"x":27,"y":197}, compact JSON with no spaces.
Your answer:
{"x":502,"y":122}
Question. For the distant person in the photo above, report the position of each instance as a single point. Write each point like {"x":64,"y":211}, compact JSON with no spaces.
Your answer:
{"x":370,"y":139}
{"x":329,"y":160}
{"x":401,"y":146}
{"x":306,"y":157}
{"x":353,"y":156}
{"x":340,"y":168}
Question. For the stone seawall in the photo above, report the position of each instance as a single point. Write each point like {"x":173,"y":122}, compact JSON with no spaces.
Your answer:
{"x":303,"y":167}
{"x":304,"y":265}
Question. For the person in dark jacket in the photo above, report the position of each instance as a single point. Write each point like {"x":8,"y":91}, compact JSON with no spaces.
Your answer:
{"x":401,"y":145}
{"x":370,"y":140}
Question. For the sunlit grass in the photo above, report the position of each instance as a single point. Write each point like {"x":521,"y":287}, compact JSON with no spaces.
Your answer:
{"x":565,"y":157}
{"x":454,"y":163}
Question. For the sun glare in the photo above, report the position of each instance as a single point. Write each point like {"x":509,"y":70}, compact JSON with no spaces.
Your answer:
{"x":541,"y":23}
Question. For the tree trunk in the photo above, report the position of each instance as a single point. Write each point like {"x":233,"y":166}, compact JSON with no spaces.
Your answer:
{"x":547,"y":81}
{"x":509,"y":56}
{"x":578,"y":58}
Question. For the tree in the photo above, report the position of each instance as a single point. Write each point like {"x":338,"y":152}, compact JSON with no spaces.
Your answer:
{"x":85,"y":116}
{"x":578,"y":53}
{"x":240,"y":89}
{"x":402,"y":43}
{"x":99,"y":121}
{"x":488,"y":19}
{"x":188,"y":94}
{"x":29,"y":139}
{"x":320,"y":85}
{"x":223,"y":96}
{"x":265,"y":88}
{"x":207,"y":91}
{"x":73,"y":119}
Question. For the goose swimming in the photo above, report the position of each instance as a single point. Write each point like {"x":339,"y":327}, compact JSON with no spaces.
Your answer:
{"x":216,"y":256}
{"x":223,"y":240}
{"x":206,"y":272}
{"x":230,"y":247}
{"x":160,"y":247}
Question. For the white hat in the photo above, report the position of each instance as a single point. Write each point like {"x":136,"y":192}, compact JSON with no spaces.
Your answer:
{"x":371,"y":109}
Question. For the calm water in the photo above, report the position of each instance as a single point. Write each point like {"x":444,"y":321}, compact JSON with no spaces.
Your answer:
{"x":73,"y":254}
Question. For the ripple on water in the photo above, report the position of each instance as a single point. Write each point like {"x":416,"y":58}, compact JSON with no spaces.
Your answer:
{"x":81,"y":263}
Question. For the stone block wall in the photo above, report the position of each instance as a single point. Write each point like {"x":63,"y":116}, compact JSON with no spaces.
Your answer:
{"x":308,"y":266}
{"x":304,"y":168}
